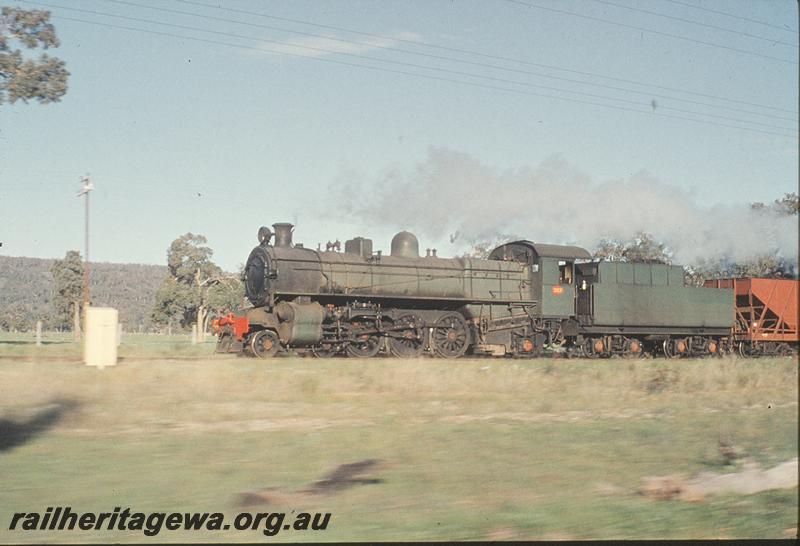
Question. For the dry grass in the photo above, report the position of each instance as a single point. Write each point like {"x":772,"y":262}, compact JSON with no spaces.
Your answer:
{"x":475,"y":448}
{"x":230,"y":393}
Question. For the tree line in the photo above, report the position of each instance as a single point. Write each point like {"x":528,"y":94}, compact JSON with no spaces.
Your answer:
{"x":190,"y":290}
{"x":29,"y":291}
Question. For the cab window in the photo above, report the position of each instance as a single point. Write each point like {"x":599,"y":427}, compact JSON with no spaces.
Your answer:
{"x":564,"y":272}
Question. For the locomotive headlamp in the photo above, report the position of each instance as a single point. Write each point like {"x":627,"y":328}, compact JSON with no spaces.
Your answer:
{"x":264,"y":235}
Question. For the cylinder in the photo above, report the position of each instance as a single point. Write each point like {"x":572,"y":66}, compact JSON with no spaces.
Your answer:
{"x":306,"y":324}
{"x":285,"y":312}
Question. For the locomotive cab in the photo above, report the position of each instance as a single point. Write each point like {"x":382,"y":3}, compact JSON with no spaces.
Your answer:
{"x":558,"y":291}
{"x":553,"y":274}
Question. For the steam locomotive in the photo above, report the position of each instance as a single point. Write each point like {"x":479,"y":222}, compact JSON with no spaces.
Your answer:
{"x":525,"y":299}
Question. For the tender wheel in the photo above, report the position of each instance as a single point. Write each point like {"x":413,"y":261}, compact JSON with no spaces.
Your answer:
{"x":592,"y":347}
{"x":451,"y":336}
{"x":714,"y":348}
{"x":364,"y":345}
{"x":265,"y":343}
{"x":410,"y":341}
{"x":675,"y":348}
{"x":634,"y":348}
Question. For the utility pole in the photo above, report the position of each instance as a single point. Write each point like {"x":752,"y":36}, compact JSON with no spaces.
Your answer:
{"x":87,"y":187}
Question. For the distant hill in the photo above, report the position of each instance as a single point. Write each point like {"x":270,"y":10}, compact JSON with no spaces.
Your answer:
{"x":26,"y":291}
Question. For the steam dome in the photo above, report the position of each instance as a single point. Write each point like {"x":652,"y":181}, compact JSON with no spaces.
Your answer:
{"x":405,"y":245}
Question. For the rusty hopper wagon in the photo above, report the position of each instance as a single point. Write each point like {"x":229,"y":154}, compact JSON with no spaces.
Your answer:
{"x":524,"y":298}
{"x":765,"y":313}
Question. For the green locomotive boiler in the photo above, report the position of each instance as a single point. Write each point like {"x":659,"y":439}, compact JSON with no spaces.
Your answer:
{"x":524,"y":298}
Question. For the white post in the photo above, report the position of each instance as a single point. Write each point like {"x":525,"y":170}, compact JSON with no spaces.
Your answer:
{"x":100,"y":336}
{"x":194,"y":334}
{"x":38,"y":333}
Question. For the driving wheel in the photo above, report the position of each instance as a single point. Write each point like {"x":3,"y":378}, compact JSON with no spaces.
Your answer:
{"x":408,"y":340}
{"x":450,"y":336}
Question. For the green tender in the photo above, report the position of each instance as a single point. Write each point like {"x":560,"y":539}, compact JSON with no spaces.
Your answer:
{"x":654,"y":295}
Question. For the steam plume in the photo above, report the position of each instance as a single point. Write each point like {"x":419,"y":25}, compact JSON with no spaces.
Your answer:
{"x":451,"y":194}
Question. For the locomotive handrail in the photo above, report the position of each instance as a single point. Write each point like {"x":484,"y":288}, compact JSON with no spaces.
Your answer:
{"x":417,"y":263}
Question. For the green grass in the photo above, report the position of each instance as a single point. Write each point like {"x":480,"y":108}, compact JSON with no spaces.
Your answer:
{"x":471,"y":449}
{"x":63,"y":345}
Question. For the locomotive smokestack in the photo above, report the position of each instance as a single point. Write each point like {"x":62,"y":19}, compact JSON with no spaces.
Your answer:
{"x":283,"y":234}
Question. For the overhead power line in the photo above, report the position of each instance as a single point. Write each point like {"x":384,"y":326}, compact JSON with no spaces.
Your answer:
{"x":476,"y":53}
{"x":412,"y":65}
{"x":698,"y":23}
{"x":425,"y":76}
{"x":647,"y":94}
{"x":726,"y":14}
{"x":649,"y":30}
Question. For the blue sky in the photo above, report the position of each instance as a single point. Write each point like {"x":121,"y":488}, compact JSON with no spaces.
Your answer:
{"x":184,"y":135}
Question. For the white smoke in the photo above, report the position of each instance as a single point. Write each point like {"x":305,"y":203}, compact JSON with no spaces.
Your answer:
{"x":452,"y":193}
